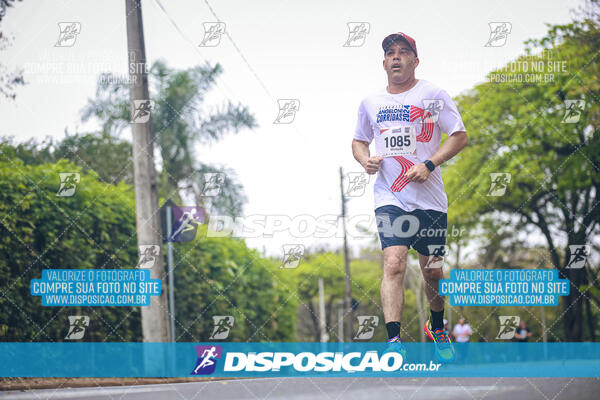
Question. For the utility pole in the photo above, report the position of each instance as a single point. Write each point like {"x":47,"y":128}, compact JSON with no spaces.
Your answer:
{"x":348,"y":292}
{"x":154,"y":316}
{"x":169,"y":209}
{"x":323,"y":336}
{"x":341,"y":321}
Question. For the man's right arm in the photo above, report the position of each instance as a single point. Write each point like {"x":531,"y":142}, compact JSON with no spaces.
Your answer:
{"x":361,"y":153}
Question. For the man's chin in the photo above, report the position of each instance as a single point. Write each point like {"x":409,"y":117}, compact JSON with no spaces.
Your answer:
{"x":398,"y":78}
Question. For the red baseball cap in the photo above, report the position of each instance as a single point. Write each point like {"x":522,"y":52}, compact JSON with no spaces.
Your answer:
{"x":394,"y":37}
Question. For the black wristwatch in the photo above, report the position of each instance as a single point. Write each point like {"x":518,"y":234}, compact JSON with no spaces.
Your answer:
{"x":429,"y":164}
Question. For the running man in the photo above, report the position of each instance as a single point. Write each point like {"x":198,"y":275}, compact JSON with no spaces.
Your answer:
{"x":410,"y":200}
{"x":207,"y":359}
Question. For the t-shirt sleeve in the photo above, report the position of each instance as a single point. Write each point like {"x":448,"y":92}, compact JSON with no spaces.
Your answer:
{"x":449,"y":120}
{"x":364,"y":130}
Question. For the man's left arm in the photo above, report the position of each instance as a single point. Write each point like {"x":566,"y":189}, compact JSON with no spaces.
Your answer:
{"x":451,"y":147}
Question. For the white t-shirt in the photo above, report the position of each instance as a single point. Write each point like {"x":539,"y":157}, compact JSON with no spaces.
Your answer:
{"x":462,"y":333}
{"x":426,"y":111}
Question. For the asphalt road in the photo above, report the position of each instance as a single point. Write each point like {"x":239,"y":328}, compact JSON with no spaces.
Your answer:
{"x":338,"y":388}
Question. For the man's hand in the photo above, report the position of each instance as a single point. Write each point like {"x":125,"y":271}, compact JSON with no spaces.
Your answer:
{"x":372,"y":165}
{"x":418,"y":173}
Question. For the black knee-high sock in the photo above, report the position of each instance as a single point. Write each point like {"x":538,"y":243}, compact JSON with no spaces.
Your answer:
{"x":393,"y":329}
{"x":437,"y":319}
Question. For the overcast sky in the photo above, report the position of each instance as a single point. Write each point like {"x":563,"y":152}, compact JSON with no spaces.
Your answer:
{"x":293,"y":50}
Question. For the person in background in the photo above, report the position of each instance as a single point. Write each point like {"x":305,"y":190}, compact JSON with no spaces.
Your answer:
{"x":522,"y":333}
{"x":462,"y":335}
{"x":462,"y":331}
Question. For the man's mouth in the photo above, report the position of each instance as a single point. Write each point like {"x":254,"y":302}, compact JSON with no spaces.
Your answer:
{"x":396,"y":67}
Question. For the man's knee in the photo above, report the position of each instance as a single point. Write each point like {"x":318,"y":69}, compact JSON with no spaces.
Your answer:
{"x":396,"y":270}
{"x":394,"y":263}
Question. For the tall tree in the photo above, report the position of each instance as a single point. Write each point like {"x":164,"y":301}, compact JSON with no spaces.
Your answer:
{"x":554,"y":161}
{"x":180,"y":121}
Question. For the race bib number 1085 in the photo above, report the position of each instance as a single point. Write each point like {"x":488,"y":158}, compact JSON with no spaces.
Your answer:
{"x":400,"y":141}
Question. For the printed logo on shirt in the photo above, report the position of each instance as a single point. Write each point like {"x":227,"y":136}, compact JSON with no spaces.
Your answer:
{"x":394,"y":113}
{"x":410,"y":113}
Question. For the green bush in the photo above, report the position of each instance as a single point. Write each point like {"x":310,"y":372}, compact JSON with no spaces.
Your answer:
{"x":95,"y":228}
{"x":222,"y":276}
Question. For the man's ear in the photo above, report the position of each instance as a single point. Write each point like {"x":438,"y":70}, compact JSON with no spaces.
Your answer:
{"x":416,"y":62}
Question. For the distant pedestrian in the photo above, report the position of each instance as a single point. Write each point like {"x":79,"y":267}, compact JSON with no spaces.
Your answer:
{"x":462,"y":331}
{"x":522,"y":334}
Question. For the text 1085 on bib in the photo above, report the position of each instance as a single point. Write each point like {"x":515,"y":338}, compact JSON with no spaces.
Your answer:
{"x":398,"y":141}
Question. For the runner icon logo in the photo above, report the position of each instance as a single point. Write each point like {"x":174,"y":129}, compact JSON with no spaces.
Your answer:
{"x":287,"y":111}
{"x":212,"y":34}
{"x":68,"y":183}
{"x":508,"y":326}
{"x":578,"y":255}
{"x":357,"y":33}
{"x":573,"y":111}
{"x":212,"y":183}
{"x":499,"y":32}
{"x":148,"y":254}
{"x":77,"y":325}
{"x":292,"y":254}
{"x":141,"y":111}
{"x":433,"y":107}
{"x":366,"y":326}
{"x":437,"y":252}
{"x":357,"y":182}
{"x":68,"y":33}
{"x":499,"y":183}
{"x":222,"y":326}
{"x":207,"y":359}
{"x":186,"y":220}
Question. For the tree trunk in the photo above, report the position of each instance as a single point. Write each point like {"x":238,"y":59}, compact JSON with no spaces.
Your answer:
{"x":573,"y":306}
{"x":573,"y":303}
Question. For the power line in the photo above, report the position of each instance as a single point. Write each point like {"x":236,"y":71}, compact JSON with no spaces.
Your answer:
{"x":239,"y":51}
{"x":228,"y":36}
